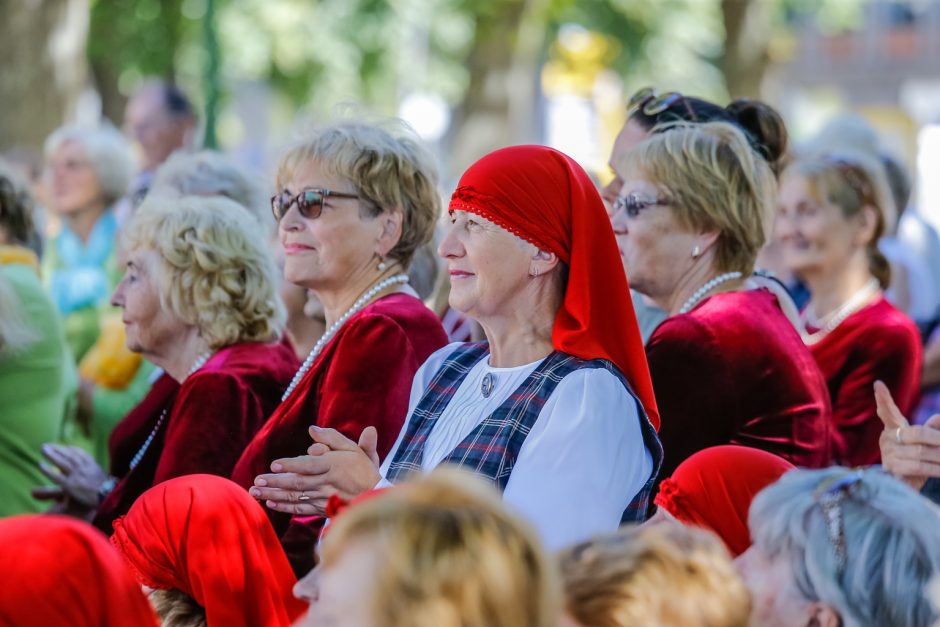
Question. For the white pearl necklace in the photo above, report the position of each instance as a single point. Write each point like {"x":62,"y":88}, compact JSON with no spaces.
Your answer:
{"x":199,"y":363}
{"x":703,"y":291}
{"x":829,"y":322}
{"x":398,"y":279}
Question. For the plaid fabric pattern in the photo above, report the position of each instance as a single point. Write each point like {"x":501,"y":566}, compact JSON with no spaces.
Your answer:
{"x":491,"y":449}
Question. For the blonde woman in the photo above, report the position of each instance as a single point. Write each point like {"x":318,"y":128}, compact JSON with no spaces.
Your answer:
{"x":831,"y":213}
{"x":727,"y":365}
{"x":441,"y":552}
{"x":199,"y":300}
{"x":666,"y":575}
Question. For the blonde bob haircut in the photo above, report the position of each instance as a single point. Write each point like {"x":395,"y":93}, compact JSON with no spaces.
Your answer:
{"x":215,"y":271}
{"x":661,"y":575}
{"x":449,"y":554}
{"x":390,"y":169}
{"x":714,"y":181}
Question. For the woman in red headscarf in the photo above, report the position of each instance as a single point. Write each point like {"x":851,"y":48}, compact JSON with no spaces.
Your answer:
{"x":59,"y":571}
{"x":713,"y":489}
{"x":206,"y":547}
{"x":557,"y":408}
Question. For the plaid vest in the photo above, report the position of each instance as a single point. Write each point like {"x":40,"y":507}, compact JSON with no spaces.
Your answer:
{"x":491,"y":449}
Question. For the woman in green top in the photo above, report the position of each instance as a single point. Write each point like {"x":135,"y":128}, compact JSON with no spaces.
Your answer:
{"x":37,"y":376}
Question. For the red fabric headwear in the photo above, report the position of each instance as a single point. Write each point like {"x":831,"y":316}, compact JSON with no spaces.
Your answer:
{"x":547,"y":199}
{"x":60,"y":571}
{"x":714,"y":488}
{"x":205,"y":536}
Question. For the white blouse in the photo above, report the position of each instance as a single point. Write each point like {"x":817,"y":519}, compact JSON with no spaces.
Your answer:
{"x":580,"y":466}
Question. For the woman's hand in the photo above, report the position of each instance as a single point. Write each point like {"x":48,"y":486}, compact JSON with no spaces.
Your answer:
{"x":76,"y":475}
{"x":334,"y":465}
{"x":910,"y":453}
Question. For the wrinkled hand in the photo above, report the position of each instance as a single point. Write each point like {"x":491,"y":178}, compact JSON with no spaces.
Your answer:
{"x":916,"y":457}
{"x":76,"y":475}
{"x":334,"y":464}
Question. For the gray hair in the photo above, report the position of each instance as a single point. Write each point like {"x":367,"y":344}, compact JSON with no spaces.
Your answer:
{"x":891,"y":544}
{"x":210,"y":173}
{"x":107,"y":152}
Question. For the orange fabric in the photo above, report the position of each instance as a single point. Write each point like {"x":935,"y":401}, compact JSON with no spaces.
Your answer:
{"x":713,"y":489}
{"x":547,"y":199}
{"x":60,"y":571}
{"x":205,"y":536}
{"x":109,"y":363}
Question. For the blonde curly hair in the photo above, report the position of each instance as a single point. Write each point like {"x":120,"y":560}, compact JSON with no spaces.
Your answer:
{"x":215,"y":272}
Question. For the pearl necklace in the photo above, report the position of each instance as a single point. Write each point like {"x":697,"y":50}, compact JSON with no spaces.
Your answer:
{"x":199,"y":363}
{"x":705,"y":289}
{"x":359,"y":305}
{"x":829,"y":322}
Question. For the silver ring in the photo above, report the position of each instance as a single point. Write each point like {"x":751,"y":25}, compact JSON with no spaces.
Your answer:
{"x":897,"y":435}
{"x":303,"y":497}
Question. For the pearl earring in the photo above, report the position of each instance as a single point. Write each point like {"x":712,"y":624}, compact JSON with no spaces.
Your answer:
{"x":382,"y":265}
{"x":536,"y":272}
{"x":696,"y":252}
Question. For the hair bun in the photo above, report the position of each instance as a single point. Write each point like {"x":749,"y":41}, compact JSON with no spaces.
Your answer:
{"x":765,"y":126}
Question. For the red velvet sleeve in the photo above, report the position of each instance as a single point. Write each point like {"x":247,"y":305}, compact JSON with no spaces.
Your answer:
{"x":890,"y":354}
{"x":214,"y":417}
{"x":369,"y":381}
{"x":691,"y":383}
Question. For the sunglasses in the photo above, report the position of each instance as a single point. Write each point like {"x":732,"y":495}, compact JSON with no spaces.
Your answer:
{"x":633,"y":204}
{"x":309,"y":202}
{"x":651,"y":103}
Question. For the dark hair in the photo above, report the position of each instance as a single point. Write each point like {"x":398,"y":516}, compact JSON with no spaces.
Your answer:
{"x":16,"y":207}
{"x":762,"y":125}
{"x":176,"y":102}
{"x":898,"y":180}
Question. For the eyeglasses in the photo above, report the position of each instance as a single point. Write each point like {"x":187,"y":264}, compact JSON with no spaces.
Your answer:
{"x":830,"y":494}
{"x":309,"y":202}
{"x":651,"y":103}
{"x":633,"y":204}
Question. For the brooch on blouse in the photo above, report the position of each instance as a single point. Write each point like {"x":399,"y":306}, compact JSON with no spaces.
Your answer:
{"x":489,"y":382}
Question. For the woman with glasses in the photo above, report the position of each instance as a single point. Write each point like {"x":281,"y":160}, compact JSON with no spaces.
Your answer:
{"x":831,"y":212}
{"x":556,"y":409}
{"x":354,"y":204}
{"x":199,"y":300}
{"x":727,"y":366}
{"x":844,"y":548}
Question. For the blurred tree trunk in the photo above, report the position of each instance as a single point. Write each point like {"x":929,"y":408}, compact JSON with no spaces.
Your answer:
{"x":747,"y":36}
{"x":42,"y":44}
{"x":501,"y":106}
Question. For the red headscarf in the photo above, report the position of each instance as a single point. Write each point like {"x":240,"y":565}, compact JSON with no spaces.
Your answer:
{"x":714,"y":488}
{"x":547,"y":199}
{"x":205,"y":536}
{"x":60,"y":571}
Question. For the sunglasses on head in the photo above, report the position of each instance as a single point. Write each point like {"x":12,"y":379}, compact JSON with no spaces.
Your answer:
{"x":651,"y":103}
{"x":633,"y":204}
{"x":309,"y":202}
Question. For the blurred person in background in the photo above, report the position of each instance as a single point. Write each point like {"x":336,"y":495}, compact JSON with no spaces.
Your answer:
{"x":663,"y":575}
{"x":832,"y":212}
{"x":160,"y":120}
{"x":37,"y":373}
{"x":88,"y":170}
{"x":442,"y":551}
{"x":199,"y":300}
{"x":727,"y":365}
{"x":840,"y":547}
{"x":58,"y":571}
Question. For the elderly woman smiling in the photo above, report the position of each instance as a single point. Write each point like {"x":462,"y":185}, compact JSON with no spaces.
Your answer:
{"x":355,"y":202}
{"x":556,"y":409}
{"x":199,"y":301}
{"x":727,"y":365}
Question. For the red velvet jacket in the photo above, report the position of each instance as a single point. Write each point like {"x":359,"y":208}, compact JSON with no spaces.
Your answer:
{"x":877,"y":342}
{"x":363,"y":377}
{"x":212,"y":417}
{"x":734,"y":370}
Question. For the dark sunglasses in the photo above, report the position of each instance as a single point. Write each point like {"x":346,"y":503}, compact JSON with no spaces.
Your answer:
{"x":309,"y":202}
{"x":651,"y":103}
{"x":633,"y":204}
